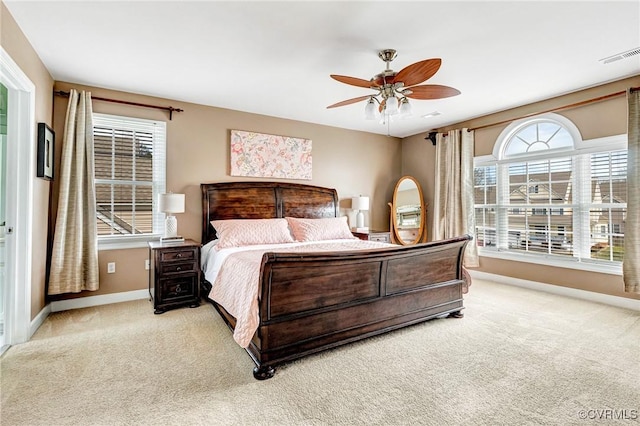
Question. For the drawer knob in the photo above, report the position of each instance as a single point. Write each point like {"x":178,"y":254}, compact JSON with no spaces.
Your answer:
{"x":179,"y":268}
{"x":179,"y":255}
{"x":178,"y":289}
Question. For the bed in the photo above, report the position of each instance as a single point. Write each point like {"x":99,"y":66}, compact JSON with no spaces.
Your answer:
{"x":312,"y":301}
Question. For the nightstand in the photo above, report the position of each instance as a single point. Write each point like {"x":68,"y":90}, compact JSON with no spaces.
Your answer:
{"x":174,"y":275}
{"x":381,"y":236}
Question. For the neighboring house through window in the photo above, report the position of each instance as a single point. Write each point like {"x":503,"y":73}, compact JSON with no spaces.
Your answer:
{"x":547,"y":196}
{"x":129,"y":174}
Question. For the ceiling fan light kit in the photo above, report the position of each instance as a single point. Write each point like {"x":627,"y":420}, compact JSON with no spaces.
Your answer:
{"x":395,"y":88}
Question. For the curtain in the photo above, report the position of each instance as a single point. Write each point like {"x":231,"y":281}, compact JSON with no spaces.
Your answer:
{"x":453,"y":198}
{"x":631,"y":260}
{"x":74,"y":258}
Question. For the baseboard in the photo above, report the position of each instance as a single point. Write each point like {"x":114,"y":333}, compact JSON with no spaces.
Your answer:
{"x":621,"y":302}
{"x":39,"y":319}
{"x":104,"y":299}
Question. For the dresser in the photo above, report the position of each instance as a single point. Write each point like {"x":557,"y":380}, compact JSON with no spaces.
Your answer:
{"x":381,"y":236}
{"x":174,"y":275}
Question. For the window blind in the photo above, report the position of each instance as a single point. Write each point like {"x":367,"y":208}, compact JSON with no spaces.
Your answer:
{"x":130,"y":163}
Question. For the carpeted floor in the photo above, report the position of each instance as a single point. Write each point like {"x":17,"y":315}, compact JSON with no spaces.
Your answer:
{"x":519,"y":357}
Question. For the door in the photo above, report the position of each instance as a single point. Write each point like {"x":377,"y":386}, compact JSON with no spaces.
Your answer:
{"x":3,"y":191}
{"x":16,"y":200}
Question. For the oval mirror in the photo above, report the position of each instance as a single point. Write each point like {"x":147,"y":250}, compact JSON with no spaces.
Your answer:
{"x":408,"y":212}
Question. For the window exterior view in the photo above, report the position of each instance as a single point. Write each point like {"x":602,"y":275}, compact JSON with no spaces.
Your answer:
{"x":548,"y":196}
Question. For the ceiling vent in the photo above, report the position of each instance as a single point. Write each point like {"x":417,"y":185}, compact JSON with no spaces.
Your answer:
{"x":619,"y":56}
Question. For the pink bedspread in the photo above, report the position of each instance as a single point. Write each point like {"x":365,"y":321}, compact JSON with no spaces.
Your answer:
{"x":236,"y":286}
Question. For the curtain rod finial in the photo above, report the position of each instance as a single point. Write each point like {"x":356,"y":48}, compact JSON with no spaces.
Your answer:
{"x":431,"y":136}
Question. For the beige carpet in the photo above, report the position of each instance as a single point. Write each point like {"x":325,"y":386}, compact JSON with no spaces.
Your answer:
{"x":519,"y":357}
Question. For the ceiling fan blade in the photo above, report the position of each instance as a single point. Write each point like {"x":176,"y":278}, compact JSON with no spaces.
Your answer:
{"x":431,"y":91}
{"x":349,"y":101}
{"x":418,"y":72}
{"x":354,"y":81}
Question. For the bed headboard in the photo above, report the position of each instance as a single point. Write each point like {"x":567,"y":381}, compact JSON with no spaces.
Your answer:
{"x":263,"y":200}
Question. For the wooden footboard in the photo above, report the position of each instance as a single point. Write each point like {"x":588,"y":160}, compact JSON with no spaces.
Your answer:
{"x":313,"y":302}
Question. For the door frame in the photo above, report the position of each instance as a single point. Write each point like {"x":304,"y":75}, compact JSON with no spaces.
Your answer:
{"x":21,"y":127}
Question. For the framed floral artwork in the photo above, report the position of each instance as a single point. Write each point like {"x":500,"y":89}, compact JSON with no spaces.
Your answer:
{"x":270,"y":156}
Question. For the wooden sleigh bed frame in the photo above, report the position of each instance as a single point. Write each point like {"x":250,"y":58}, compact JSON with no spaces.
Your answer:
{"x":317,"y":301}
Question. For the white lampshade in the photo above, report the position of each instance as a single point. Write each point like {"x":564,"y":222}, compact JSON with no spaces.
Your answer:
{"x":370,"y":110}
{"x":360,"y":203}
{"x":405,"y":108}
{"x":171,"y":203}
{"x":391,"y":105}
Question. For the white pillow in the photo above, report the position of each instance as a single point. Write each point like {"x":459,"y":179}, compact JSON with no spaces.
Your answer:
{"x":246,"y":232}
{"x":329,"y":228}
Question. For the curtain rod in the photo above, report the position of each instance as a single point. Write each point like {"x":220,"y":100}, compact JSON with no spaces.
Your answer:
{"x":169,"y":108}
{"x":574,"y":105}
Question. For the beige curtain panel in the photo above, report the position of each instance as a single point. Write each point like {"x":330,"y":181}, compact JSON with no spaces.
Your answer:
{"x":74,"y":259}
{"x":453,"y":200}
{"x":631,"y":260}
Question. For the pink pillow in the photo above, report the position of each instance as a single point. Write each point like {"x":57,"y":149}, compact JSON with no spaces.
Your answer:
{"x":330,"y":228}
{"x":246,"y":232}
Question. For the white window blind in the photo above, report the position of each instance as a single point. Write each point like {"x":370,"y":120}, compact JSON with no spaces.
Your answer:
{"x":130,"y":162}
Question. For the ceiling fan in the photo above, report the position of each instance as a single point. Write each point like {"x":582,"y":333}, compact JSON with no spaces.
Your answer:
{"x":394,"y":88}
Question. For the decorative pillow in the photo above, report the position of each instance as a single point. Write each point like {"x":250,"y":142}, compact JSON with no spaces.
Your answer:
{"x":246,"y":232}
{"x":330,"y":228}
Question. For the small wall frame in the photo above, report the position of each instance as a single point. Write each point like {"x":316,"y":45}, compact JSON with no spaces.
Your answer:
{"x":46,"y":141}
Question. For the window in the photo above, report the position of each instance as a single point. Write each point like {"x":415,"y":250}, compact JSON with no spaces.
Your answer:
{"x":547,"y":196}
{"x":129,"y":174}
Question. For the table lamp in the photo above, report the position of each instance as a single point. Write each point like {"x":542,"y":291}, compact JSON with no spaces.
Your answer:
{"x":360,"y":204}
{"x":169,"y":204}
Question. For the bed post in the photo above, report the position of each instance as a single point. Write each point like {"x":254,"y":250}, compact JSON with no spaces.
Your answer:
{"x":263,"y":372}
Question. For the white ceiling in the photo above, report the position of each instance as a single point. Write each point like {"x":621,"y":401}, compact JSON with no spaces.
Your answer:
{"x":274,"y":58}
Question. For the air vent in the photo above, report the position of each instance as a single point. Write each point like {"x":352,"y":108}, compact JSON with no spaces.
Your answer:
{"x":619,"y":56}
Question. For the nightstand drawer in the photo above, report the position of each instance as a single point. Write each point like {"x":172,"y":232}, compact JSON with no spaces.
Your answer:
{"x":178,"y":267}
{"x":176,"y":289}
{"x":380,"y":236}
{"x":383,"y":238}
{"x":178,"y":254}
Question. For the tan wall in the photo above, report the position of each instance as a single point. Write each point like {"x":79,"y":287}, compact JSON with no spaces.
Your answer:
{"x":418,"y":160}
{"x":407,"y":197}
{"x":355,"y":163}
{"x":17,"y":46}
{"x":595,"y":120}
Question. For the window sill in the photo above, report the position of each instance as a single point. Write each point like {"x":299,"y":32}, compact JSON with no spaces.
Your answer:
{"x":553,"y":261}
{"x":126,"y":242}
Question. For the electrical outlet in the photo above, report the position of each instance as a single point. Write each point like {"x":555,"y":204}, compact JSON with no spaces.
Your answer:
{"x":146,"y":264}
{"x":111,"y":267}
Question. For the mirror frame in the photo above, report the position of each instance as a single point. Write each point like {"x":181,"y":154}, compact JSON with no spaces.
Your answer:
{"x":394,"y":227}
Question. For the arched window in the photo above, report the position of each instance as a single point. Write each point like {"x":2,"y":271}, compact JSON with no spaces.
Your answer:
{"x":547,"y":194}
{"x":543,"y":134}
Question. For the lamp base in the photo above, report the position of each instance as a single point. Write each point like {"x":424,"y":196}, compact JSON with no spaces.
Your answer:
{"x":360,"y":219}
{"x":168,"y":240}
{"x":170,"y":227}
